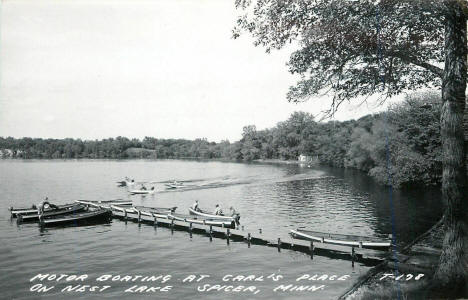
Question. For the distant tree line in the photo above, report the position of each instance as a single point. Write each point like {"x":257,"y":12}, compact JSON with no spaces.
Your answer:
{"x":406,"y":138}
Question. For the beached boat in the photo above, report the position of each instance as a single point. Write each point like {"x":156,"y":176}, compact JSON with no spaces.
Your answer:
{"x":341,"y":239}
{"x":206,"y":214}
{"x":77,"y":207}
{"x":197,"y":219}
{"x":87,"y":217}
{"x":33,"y":210}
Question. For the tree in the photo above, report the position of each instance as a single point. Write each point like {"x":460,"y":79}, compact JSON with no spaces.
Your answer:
{"x":366,"y":47}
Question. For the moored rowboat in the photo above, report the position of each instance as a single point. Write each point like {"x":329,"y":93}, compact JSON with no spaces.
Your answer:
{"x":77,"y":207}
{"x":196,"y":219}
{"x":101,"y":214}
{"x":123,"y":211}
{"x":155,"y":209}
{"x":105,"y":203}
{"x":341,"y":239}
{"x":210,"y":215}
{"x":33,"y":210}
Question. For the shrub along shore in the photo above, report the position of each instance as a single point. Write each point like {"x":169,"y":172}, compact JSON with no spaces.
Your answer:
{"x":400,"y":146}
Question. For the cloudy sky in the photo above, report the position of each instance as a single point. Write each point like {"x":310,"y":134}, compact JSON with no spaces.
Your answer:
{"x":167,"y":69}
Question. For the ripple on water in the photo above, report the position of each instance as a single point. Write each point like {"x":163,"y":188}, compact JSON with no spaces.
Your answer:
{"x":275,"y":198}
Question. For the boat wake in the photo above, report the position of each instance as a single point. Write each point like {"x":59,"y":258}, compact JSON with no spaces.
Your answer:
{"x":227,"y":181}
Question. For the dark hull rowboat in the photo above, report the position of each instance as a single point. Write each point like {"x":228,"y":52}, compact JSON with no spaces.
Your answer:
{"x":341,"y":239}
{"x":33,"y":211}
{"x":92,"y":216}
{"x":56,"y":212}
{"x":210,"y":215}
{"x":196,"y":219}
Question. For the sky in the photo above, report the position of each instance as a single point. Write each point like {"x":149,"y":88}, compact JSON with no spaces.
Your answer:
{"x":166,"y":69}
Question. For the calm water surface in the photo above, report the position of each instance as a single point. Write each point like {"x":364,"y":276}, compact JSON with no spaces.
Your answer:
{"x":276,"y":198}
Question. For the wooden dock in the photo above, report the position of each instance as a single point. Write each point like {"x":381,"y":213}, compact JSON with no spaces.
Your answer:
{"x":258,"y":236}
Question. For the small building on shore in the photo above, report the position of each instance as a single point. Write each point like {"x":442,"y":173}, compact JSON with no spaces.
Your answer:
{"x":308,"y":159}
{"x":304,"y":158}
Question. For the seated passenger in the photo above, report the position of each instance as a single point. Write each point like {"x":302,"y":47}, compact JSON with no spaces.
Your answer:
{"x":234,"y":214}
{"x":218,"y":211}
{"x":195,"y":206}
{"x":45,"y":204}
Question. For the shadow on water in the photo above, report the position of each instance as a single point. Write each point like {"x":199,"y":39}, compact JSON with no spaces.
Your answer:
{"x":415,"y":209}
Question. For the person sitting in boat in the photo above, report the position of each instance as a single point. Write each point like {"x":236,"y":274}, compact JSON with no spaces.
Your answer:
{"x":234,"y":214}
{"x":218,"y":211}
{"x":143,"y":188}
{"x":195,"y":206}
{"x":152,"y":188}
{"x":44,"y":205}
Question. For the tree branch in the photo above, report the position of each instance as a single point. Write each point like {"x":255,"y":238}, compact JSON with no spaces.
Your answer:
{"x":413,"y":60}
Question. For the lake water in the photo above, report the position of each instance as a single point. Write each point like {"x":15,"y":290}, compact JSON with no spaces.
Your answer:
{"x":273,"y":197}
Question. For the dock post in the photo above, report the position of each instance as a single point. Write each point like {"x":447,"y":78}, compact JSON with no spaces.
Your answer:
{"x":211,"y":233}
{"x":125,"y":214}
{"x":190,"y":229}
{"x":248,"y":239}
{"x":172,"y":223}
{"x":311,"y":249}
{"x":139,"y":216}
{"x":155,"y":219}
{"x":228,"y":233}
{"x":279,"y":245}
{"x":352,"y":257}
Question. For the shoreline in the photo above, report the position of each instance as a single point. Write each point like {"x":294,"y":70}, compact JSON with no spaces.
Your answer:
{"x":267,"y":161}
{"x":419,"y":256}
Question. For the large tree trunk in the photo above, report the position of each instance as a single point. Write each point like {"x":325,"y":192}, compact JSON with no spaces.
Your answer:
{"x":451,"y":274}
